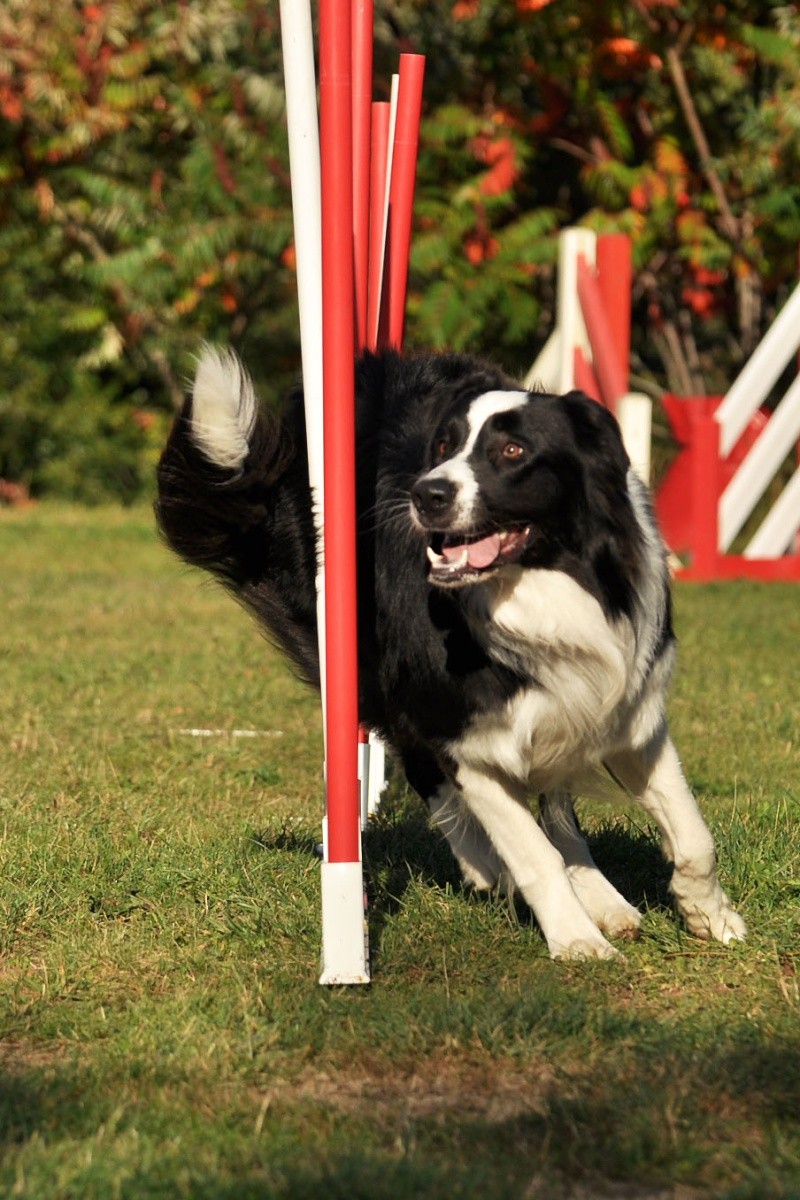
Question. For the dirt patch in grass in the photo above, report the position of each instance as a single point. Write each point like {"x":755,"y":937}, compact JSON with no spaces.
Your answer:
{"x":20,"y":1057}
{"x":442,"y":1088}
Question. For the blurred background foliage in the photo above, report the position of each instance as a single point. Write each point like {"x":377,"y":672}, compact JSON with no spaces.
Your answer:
{"x":145,"y":206}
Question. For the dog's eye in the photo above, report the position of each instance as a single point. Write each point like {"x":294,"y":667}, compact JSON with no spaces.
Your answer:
{"x":513,"y":451}
{"x":441,"y":448}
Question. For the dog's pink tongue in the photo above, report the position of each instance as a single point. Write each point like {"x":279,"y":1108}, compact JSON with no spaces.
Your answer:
{"x":479,"y":554}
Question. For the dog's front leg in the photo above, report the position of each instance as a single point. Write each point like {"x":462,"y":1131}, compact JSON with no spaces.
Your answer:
{"x":655,"y":777}
{"x":610,"y":911}
{"x":536,"y":866}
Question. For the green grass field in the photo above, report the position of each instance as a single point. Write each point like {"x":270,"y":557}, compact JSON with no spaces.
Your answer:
{"x":163,"y":1031}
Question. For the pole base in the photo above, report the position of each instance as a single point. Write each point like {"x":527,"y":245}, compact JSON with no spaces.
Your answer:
{"x":345,"y":947}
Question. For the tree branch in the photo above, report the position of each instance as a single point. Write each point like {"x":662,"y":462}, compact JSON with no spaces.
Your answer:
{"x":728,"y":222}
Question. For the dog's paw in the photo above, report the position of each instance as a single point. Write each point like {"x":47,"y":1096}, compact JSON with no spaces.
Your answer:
{"x":610,"y":911}
{"x":707,"y":911}
{"x":585,"y":948}
{"x":723,"y":925}
{"x":625,"y":924}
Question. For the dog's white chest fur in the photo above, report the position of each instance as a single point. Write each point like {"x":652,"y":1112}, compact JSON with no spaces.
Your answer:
{"x":563,"y":723}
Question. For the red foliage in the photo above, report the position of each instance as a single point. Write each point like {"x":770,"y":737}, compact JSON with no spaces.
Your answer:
{"x":480,"y":246}
{"x":10,"y":104}
{"x":500,"y":155}
{"x":619,"y":57}
{"x":701,"y":301}
{"x":15,"y":495}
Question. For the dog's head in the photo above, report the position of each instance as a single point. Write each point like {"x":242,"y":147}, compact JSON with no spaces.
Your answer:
{"x":516,"y":477}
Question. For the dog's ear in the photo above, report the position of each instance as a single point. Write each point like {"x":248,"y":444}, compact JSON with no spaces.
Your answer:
{"x":596,"y":429}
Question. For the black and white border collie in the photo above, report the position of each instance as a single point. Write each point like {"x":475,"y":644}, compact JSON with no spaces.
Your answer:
{"x":514,"y":613}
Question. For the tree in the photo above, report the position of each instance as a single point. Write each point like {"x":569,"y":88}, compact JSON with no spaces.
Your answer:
{"x":144,"y":196}
{"x":144,"y":188}
{"x":677,"y":123}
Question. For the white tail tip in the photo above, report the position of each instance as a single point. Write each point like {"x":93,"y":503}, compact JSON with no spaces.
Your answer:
{"x":223,"y":408}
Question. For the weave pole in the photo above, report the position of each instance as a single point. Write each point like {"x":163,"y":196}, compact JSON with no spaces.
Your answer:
{"x":362,"y":33}
{"x":401,"y":193}
{"x":344,"y":949}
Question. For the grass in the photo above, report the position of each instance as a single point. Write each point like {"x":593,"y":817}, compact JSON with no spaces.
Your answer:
{"x":163,"y":1032}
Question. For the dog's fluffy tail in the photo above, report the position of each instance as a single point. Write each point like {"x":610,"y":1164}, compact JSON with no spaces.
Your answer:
{"x":223,"y":410}
{"x":233,"y":499}
{"x":223,"y":458}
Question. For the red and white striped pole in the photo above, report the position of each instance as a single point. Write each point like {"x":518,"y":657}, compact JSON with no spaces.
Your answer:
{"x":344,"y":950}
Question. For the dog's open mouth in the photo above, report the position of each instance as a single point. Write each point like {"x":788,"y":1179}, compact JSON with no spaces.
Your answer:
{"x":456,"y":560}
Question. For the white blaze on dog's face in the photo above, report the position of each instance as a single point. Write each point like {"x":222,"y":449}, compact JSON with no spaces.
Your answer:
{"x":499,"y":467}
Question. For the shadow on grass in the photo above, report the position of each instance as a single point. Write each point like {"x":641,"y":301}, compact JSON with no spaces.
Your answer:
{"x":400,"y":846}
{"x":732,"y":1095}
{"x":632,"y":860}
{"x":732,"y":1124}
{"x":35,"y":1097}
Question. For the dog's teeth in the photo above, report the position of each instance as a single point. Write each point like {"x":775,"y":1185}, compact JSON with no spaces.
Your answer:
{"x":503,"y":535}
{"x":462,"y":561}
{"x":433,"y":556}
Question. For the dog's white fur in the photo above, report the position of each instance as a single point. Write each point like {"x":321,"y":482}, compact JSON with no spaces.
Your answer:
{"x":223,"y":409}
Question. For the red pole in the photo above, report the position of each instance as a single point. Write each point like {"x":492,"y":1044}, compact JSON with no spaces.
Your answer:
{"x":381,"y":116}
{"x":363,"y":11}
{"x":612,"y":380}
{"x":401,"y":194}
{"x":336,"y":145}
{"x":614,"y":280}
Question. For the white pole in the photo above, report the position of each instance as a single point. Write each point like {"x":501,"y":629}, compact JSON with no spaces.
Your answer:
{"x":544,"y":372}
{"x":759,"y":374}
{"x":304,"y":164}
{"x":635,"y":416}
{"x":569,"y":320}
{"x":375,"y":333}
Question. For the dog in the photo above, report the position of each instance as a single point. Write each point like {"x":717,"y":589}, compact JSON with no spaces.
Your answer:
{"x":515,"y":634}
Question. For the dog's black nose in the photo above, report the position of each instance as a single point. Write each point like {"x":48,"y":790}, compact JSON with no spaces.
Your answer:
{"x":433,"y":497}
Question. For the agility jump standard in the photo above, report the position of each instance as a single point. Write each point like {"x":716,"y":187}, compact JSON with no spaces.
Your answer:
{"x":732,"y":451}
{"x":732,"y":448}
{"x":333,"y":164}
{"x":590,"y":345}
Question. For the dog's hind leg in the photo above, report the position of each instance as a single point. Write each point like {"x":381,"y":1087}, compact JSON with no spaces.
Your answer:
{"x":610,"y":911}
{"x":536,"y":866}
{"x":654,"y":776}
{"x":480,"y":864}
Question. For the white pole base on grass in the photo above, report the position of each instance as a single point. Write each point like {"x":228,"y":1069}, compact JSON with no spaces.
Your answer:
{"x":345,"y":951}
